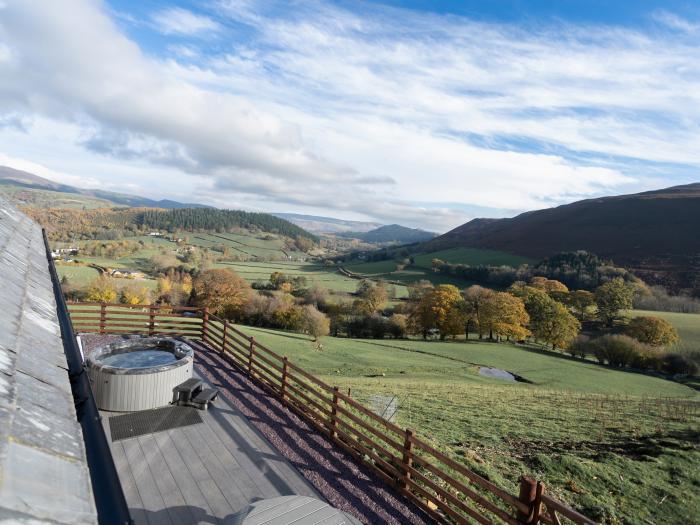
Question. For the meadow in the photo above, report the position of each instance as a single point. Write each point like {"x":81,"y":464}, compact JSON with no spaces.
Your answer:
{"x":620,"y":446}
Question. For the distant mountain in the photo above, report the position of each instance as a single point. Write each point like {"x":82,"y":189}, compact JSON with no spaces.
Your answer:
{"x":392,"y":233}
{"x":655,"y":233}
{"x":11,"y":180}
{"x":318,"y":224}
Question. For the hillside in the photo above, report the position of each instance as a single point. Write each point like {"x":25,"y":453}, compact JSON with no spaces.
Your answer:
{"x":66,"y":224}
{"x":653,"y":233}
{"x":28,"y":189}
{"x":319,"y":224}
{"x":392,"y":233}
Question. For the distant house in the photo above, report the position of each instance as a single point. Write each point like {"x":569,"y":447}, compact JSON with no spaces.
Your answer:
{"x":155,"y":234}
{"x":126,"y":273}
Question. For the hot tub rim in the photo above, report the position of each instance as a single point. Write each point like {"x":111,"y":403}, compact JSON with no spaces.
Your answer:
{"x":183,"y":351}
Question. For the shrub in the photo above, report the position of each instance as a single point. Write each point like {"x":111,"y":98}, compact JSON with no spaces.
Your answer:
{"x":679,"y":364}
{"x":579,"y":347}
{"x":617,"y":350}
{"x":651,"y":330}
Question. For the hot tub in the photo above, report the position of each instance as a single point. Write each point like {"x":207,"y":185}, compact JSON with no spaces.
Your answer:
{"x":138,"y":373}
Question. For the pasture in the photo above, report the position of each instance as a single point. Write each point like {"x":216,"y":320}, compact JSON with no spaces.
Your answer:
{"x":472,"y":257}
{"x":621,"y":447}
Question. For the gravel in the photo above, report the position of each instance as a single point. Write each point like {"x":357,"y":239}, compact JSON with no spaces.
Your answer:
{"x":342,"y":480}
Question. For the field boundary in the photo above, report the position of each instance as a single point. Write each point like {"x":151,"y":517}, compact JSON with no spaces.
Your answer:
{"x":445,"y":489}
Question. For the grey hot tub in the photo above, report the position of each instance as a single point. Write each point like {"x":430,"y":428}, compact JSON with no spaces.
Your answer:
{"x":138,"y":373}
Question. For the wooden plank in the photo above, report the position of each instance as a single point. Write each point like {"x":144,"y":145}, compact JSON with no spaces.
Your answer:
{"x":131,"y":491}
{"x":178,"y":512}
{"x":222,"y":468}
{"x":270,"y":471}
{"x":216,"y":501}
{"x":189,"y":488}
{"x":153,"y":503}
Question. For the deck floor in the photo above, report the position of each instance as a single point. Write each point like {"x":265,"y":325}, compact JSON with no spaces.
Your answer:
{"x":203,"y":473}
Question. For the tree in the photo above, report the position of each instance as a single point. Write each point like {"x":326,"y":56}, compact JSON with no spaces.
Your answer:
{"x":314,"y":322}
{"x":611,"y":298}
{"x":221,"y":290}
{"x":548,"y":285}
{"x":437,"y":309}
{"x":102,"y":290}
{"x":474,"y":299}
{"x":581,"y":303}
{"x":133,"y":294}
{"x":550,"y":321}
{"x":653,"y":331}
{"x":374,"y":295}
{"x":504,"y":315}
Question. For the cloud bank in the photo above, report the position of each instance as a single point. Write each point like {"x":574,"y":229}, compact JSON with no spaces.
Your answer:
{"x":382,"y":114}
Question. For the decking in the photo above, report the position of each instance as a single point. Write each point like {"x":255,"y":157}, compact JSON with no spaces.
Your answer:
{"x":203,"y":473}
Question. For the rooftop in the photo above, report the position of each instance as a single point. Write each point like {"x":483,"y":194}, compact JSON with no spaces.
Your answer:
{"x":43,"y":467}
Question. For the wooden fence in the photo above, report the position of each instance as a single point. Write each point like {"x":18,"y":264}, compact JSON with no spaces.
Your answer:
{"x":444,"y":488}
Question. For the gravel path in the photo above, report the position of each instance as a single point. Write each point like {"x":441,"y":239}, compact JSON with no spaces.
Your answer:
{"x":336,"y":475}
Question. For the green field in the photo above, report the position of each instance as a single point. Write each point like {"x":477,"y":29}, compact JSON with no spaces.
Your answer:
{"x":688,"y":326}
{"x":76,"y":274}
{"x":472,"y":257}
{"x":621,"y":447}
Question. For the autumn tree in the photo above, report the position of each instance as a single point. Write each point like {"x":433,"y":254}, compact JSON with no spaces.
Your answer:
{"x":504,"y":315}
{"x":437,"y":309}
{"x":315,"y":323}
{"x":102,"y":290}
{"x":222,"y":291}
{"x":548,"y":285}
{"x":134,"y":294}
{"x":653,"y":331}
{"x":375,"y":295}
{"x":611,"y":298}
{"x":472,"y":306}
{"x":581,"y":302}
{"x":550,"y":321}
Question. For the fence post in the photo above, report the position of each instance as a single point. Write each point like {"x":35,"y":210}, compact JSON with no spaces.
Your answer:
{"x":152,"y":319}
{"x":407,"y":461}
{"x":334,"y":414}
{"x":205,"y":323}
{"x":283,"y":386}
{"x":530,"y":495}
{"x":251,"y":350}
{"x":103,"y":317}
{"x":223,"y":337}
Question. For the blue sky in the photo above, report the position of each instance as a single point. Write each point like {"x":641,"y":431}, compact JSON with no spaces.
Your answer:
{"x":422,"y":113}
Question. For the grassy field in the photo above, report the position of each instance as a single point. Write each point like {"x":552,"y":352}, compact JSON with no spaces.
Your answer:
{"x":76,"y":274}
{"x":472,"y":257}
{"x":327,"y":277}
{"x":688,"y":326}
{"x":620,"y":446}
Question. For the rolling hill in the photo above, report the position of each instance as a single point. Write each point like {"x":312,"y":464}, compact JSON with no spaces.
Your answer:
{"x":29,"y":189}
{"x":654,"y":233}
{"x":319,"y":224}
{"x":392,"y":233}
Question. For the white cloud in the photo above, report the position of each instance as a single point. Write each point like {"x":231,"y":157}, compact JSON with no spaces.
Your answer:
{"x":178,"y":21}
{"x":391,"y":115}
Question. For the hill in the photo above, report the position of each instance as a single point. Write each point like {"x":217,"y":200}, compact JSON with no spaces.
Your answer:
{"x":28,"y":189}
{"x":652,"y":233}
{"x":105,"y":223}
{"x":319,"y":224}
{"x":392,"y":233}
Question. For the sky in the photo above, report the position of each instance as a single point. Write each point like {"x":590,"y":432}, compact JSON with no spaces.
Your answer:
{"x":422,"y":113}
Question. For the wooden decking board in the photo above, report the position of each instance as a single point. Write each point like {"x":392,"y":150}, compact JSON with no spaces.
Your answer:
{"x":153,"y":503}
{"x":177,"y":510}
{"x":275,"y":467}
{"x":212,"y":493}
{"x":204,"y":473}
{"x":189,"y":488}
{"x":230,"y":490}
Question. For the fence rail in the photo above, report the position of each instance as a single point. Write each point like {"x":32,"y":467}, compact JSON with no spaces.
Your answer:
{"x":445,"y":489}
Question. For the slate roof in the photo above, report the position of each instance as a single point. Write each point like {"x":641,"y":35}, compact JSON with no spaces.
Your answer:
{"x":43,"y":471}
